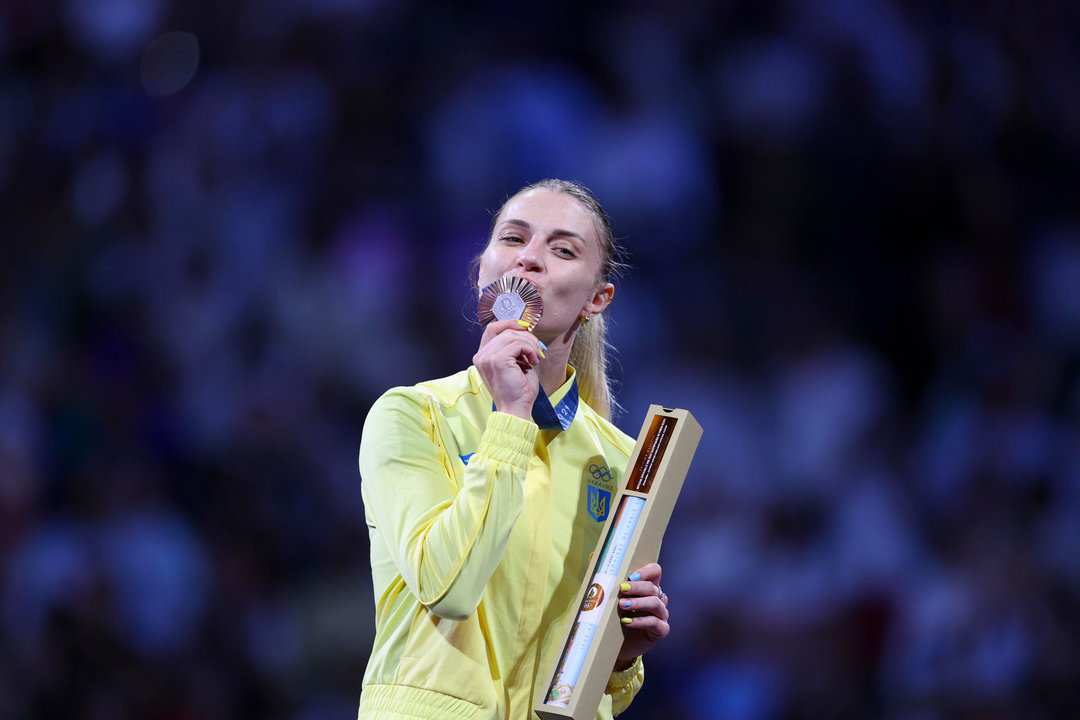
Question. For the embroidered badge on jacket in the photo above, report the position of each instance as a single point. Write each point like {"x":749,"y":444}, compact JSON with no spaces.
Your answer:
{"x":601,"y":486}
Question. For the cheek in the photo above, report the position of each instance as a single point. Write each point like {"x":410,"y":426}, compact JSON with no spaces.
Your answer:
{"x":484,"y":271}
{"x":573,"y":296}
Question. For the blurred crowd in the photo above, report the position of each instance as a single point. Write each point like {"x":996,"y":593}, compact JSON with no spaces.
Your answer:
{"x":854,"y":234}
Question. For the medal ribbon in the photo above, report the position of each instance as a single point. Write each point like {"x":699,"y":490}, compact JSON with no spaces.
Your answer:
{"x":560,"y":416}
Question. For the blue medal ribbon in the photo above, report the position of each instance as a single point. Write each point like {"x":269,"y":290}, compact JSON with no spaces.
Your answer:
{"x":560,"y":416}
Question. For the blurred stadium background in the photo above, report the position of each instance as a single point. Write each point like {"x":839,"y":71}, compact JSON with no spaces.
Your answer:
{"x":226,"y":228}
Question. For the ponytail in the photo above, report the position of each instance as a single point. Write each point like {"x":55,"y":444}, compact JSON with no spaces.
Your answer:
{"x":589,"y":356}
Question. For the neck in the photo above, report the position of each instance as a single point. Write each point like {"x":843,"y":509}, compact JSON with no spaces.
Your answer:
{"x":552,"y":369}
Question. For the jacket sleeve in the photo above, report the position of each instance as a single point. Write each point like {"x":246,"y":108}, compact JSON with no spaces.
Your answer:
{"x":623,"y":685}
{"x":445,"y":541}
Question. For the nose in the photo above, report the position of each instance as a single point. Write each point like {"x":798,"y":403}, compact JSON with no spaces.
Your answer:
{"x":529,"y":258}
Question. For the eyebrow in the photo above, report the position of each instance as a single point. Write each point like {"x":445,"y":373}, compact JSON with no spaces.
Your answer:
{"x":557,"y":231}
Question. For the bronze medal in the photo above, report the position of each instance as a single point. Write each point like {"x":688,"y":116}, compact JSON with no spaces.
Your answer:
{"x":510,"y":298}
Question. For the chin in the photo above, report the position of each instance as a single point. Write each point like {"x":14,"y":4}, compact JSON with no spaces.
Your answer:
{"x":550,"y":334}
{"x":541,"y":331}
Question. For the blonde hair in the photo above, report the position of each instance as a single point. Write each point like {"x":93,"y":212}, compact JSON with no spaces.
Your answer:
{"x":591,"y":352}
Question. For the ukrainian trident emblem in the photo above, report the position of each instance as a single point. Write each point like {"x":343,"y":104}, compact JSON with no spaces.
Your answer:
{"x":599,"y":498}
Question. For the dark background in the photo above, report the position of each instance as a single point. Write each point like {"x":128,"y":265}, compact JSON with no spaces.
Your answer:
{"x":855,"y":245}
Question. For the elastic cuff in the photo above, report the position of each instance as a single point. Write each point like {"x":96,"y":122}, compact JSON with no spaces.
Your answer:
{"x":623,"y":681}
{"x":509,"y":439}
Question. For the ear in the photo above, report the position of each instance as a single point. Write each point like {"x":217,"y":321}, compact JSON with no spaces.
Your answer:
{"x":601,"y":298}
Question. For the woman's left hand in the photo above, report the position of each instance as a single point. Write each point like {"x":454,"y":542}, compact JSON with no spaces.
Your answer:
{"x":644,"y":604}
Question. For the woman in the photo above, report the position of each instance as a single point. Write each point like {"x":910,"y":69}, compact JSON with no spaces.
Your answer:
{"x":478,"y":496}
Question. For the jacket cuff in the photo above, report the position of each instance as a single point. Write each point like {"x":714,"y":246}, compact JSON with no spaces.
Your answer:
{"x":623,"y":685}
{"x":509,"y":439}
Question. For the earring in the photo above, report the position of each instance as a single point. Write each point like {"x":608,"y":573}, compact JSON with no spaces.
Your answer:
{"x":584,"y":319}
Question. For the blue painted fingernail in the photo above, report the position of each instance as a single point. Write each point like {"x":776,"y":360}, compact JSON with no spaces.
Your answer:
{"x":635,"y":577}
{"x":542,"y":345}
{"x":627,"y":603}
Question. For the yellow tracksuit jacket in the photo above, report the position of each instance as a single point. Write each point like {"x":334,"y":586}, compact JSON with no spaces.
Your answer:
{"x":481,"y":525}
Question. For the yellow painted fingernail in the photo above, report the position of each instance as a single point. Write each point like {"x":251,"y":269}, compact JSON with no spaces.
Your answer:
{"x":626,"y":621}
{"x":523,"y":323}
{"x":625,"y":587}
{"x":542,"y":354}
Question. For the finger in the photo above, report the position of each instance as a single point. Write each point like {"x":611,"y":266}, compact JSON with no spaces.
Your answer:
{"x":509,"y":345}
{"x":650,"y":572}
{"x":640,"y":588}
{"x":508,"y":335}
{"x":651,"y":605}
{"x":498,"y":327}
{"x":523,"y":349}
{"x":650,"y":624}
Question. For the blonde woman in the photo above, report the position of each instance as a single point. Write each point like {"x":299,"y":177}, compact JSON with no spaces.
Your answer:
{"x":486,"y":491}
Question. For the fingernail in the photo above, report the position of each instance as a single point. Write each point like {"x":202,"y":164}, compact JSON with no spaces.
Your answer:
{"x":627,"y":603}
{"x":524,"y":323}
{"x":542,"y":345}
{"x":542,"y":354}
{"x":635,"y":577}
{"x":626,"y":621}
{"x":625,"y":587}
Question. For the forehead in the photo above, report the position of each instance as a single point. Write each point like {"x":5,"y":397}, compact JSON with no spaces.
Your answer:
{"x":548,"y":210}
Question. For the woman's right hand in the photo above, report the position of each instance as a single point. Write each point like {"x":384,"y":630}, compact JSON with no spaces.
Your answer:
{"x":507,"y":361}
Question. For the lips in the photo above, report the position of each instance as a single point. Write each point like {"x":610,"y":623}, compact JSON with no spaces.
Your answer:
{"x":526,"y":277}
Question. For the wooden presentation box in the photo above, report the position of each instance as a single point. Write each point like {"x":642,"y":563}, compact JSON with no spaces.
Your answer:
{"x":631,"y":537}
